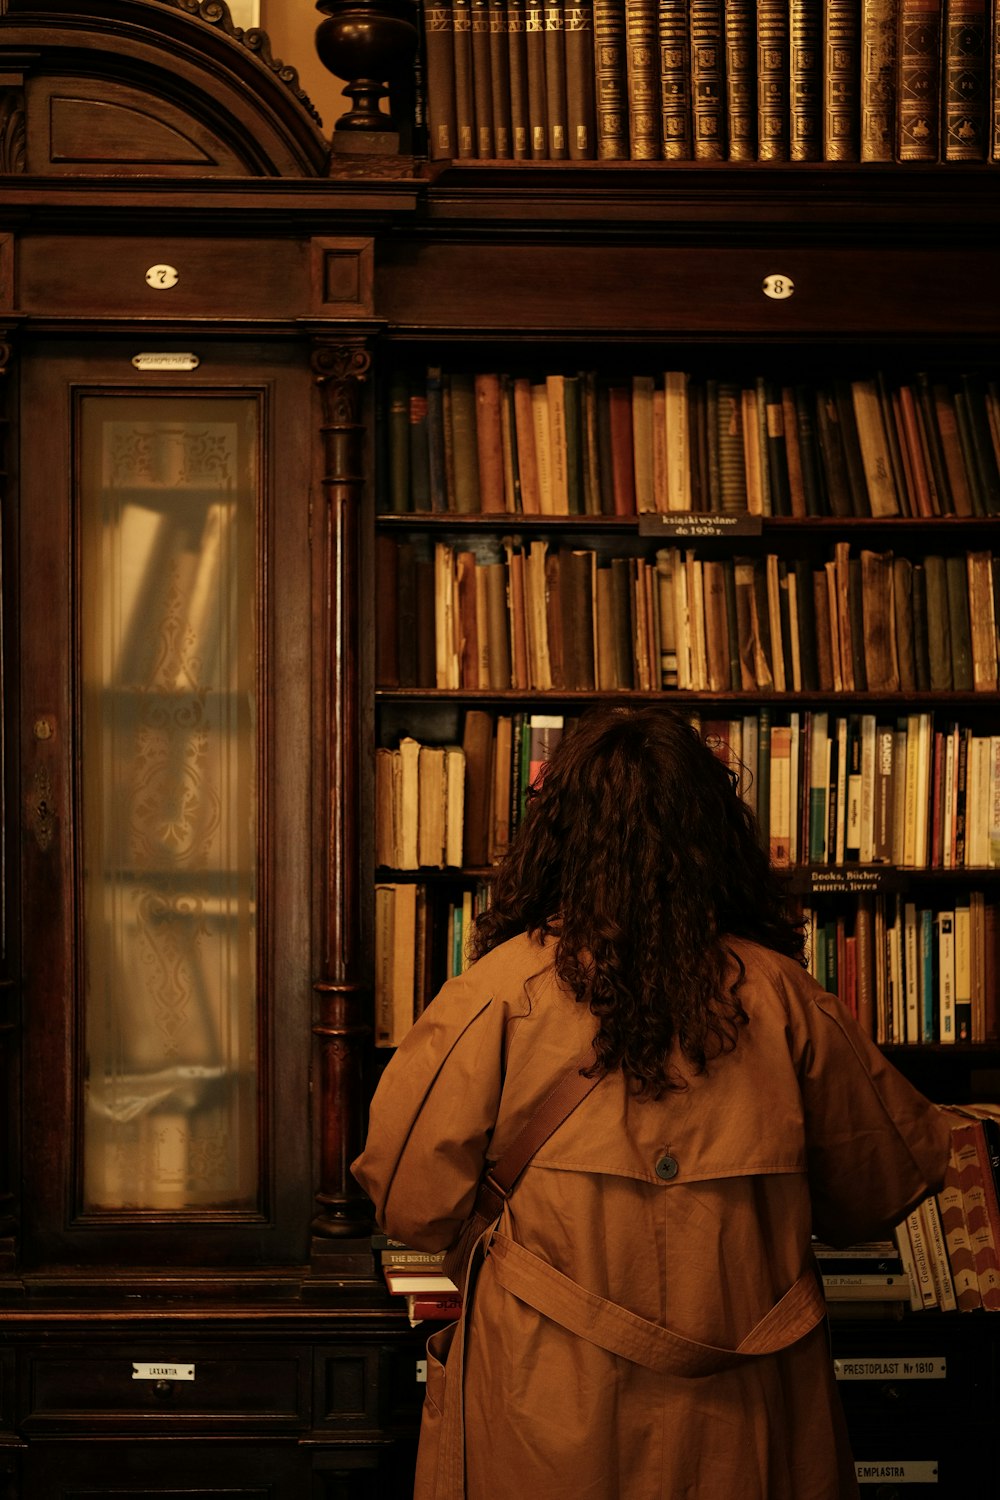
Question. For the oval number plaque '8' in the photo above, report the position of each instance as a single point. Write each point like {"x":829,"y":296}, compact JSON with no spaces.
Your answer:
{"x":778,"y":287}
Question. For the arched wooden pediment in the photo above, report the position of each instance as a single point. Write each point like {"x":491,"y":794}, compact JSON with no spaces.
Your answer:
{"x":163,"y":88}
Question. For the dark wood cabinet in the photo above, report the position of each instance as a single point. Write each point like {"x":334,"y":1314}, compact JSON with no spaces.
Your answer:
{"x":201,"y":312}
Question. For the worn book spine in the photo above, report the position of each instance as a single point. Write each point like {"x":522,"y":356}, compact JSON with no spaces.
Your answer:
{"x":809,"y":457}
{"x":708,"y":79}
{"x":777,"y":451}
{"x":642,"y":73}
{"x":982,"y":622}
{"x":517,"y":72}
{"x":918,"y":83}
{"x":875,"y":456}
{"x":489,"y":443}
{"x":465,"y":104}
{"x":921,"y":647}
{"x":957,"y":581}
{"x":398,"y":430}
{"x":534,"y":37}
{"x":878,"y":80}
{"x":832,"y":456}
{"x":933,"y":445}
{"x":465,"y":449}
{"x":675,"y":80}
{"x":966,"y":83}
{"x":729,"y":430}
{"x":806,"y":80}
{"x":841,"y":80}
{"x":500,"y":80}
{"x":741,"y":79}
{"x":853,"y":458}
{"x":555,"y":81}
{"x":482,"y":79}
{"x":439,"y":50}
{"x":938,"y":623}
{"x":578,"y":31}
{"x":772,"y":80}
{"x":610,"y":80}
{"x":879,"y":624}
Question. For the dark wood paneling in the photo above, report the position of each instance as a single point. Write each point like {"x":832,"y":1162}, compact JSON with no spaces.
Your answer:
{"x":106,"y":276}
{"x":695,"y":292}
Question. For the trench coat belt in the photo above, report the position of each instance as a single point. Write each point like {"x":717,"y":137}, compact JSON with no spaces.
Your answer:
{"x":621,"y":1332}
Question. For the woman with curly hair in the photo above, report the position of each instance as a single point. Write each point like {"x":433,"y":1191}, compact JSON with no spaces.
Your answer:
{"x":645,"y":1321}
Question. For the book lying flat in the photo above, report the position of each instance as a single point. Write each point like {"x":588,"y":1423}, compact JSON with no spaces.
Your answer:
{"x":419,"y":1283}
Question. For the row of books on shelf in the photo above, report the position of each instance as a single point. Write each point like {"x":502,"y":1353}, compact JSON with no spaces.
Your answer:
{"x":829,"y":791}
{"x":580,"y":444}
{"x":505,"y":614}
{"x":681,"y":80}
{"x":421,"y":940}
{"x":910,"y":973}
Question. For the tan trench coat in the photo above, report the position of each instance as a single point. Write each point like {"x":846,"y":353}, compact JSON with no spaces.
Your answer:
{"x":804,"y":1127}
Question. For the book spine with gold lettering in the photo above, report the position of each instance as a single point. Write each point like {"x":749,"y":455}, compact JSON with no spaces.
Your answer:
{"x":878,"y":79}
{"x":642,"y":74}
{"x":555,"y":80}
{"x":805,"y":103}
{"x":482,"y":80}
{"x":465,"y":107}
{"x":500,"y":79}
{"x":439,"y":52}
{"x":610,"y":86}
{"x":708,"y":80}
{"x":534,"y":37}
{"x":517,"y":71}
{"x":578,"y":31}
{"x":966,"y":80}
{"x":675,"y":81}
{"x":772,"y":80}
{"x":918,"y":80}
{"x":841,"y":80}
{"x":741,"y":79}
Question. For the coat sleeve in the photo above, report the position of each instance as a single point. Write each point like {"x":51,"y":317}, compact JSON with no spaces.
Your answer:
{"x":432,"y":1116}
{"x":875,"y":1146}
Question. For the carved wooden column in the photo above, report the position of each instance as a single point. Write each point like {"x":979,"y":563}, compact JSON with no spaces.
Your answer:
{"x":340,"y":1028}
{"x":9,"y":1090}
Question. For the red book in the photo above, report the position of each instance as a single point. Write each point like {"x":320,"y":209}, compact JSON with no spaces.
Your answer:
{"x":622,"y":458}
{"x":443,"y":1309}
{"x":979,"y":1202}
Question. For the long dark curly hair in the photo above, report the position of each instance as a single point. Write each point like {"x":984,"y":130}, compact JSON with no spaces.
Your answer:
{"x":637,"y":852}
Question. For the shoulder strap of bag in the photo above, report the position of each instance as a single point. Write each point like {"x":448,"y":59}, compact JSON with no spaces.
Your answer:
{"x":500,"y":1178}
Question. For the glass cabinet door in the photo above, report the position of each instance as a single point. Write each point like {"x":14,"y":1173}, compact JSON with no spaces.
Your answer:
{"x":167,"y":908}
{"x":168,"y":525}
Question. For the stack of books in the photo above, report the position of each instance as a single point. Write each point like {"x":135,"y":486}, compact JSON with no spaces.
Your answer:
{"x":416,"y":1276}
{"x":710,"y":80}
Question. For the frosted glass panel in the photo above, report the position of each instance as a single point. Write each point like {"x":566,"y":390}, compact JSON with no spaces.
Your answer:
{"x":167,"y":604}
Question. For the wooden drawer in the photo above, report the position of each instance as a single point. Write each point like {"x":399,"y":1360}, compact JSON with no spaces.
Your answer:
{"x":72,"y":1387}
{"x":166,"y":277}
{"x":704,"y":292}
{"x":161,"y":1469}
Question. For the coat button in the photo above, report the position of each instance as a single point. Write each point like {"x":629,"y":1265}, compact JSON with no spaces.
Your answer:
{"x":666,"y":1168}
